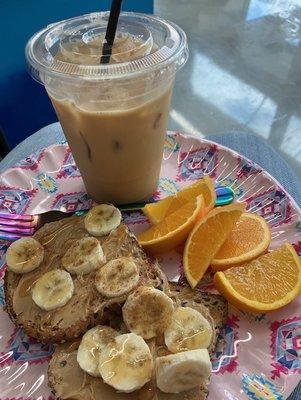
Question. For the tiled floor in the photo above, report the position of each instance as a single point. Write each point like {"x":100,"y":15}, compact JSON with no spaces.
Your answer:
{"x":244,"y":70}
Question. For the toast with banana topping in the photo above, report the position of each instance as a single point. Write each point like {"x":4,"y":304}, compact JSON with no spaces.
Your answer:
{"x":54,"y":286}
{"x":74,"y":373}
{"x":130,"y":334}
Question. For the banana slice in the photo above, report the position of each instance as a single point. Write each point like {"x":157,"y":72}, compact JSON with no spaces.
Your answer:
{"x":126,"y":363}
{"x":92,"y":344}
{"x":147,"y":312}
{"x":176,"y":373}
{"x":54,"y":289}
{"x":102,"y":219}
{"x":83,"y":256}
{"x":117,"y":277}
{"x":24,"y":255}
{"x":188,"y":330}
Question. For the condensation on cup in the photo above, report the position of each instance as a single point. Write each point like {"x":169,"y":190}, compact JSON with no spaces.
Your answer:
{"x":114,"y":115}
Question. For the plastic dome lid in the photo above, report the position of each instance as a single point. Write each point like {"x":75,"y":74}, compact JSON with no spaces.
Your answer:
{"x":72,"y":48}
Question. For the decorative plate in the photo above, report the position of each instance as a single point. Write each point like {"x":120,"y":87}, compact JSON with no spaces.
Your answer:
{"x":257,"y":357}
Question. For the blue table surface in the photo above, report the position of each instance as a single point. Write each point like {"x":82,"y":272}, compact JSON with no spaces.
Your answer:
{"x":250,"y":146}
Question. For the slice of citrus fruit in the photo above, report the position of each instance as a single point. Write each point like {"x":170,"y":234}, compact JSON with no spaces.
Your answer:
{"x":206,"y":239}
{"x":249,"y":238}
{"x":156,"y":212}
{"x":205,"y":187}
{"x":265,"y":284}
{"x":174,"y":228}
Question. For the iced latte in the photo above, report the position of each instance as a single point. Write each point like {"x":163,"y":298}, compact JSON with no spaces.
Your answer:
{"x":114,"y":115}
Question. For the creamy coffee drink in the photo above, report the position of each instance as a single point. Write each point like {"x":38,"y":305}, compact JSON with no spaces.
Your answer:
{"x":119,"y":152}
{"x":117,"y":145}
{"x":114,"y":115}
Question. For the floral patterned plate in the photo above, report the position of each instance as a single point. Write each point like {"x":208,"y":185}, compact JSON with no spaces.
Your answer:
{"x":257,"y":357}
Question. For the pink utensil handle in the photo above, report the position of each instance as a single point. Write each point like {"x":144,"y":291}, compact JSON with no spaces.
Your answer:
{"x":21,"y":223}
{"x":17,"y":229}
{"x":17,"y":216}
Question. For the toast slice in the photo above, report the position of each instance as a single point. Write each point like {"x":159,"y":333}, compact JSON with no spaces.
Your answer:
{"x":216,"y":304}
{"x":68,"y":381}
{"x":87,"y":307}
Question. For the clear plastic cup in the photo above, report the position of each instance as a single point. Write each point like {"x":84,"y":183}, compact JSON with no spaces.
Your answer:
{"x":114,"y":115}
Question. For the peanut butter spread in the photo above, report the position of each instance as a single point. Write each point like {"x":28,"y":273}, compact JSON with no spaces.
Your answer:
{"x":70,"y":382}
{"x":87,"y":306}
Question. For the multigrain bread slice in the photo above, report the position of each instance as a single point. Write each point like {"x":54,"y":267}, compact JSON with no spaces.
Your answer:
{"x":87,"y":307}
{"x":68,"y":381}
{"x":214,"y":303}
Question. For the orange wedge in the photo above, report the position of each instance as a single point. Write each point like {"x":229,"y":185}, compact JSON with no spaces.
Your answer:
{"x":174,"y":228}
{"x":157,"y":211}
{"x":249,"y":238}
{"x":265,"y":284}
{"x":206,"y":239}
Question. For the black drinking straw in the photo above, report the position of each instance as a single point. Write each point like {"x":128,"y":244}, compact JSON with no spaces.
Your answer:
{"x":111,"y":31}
